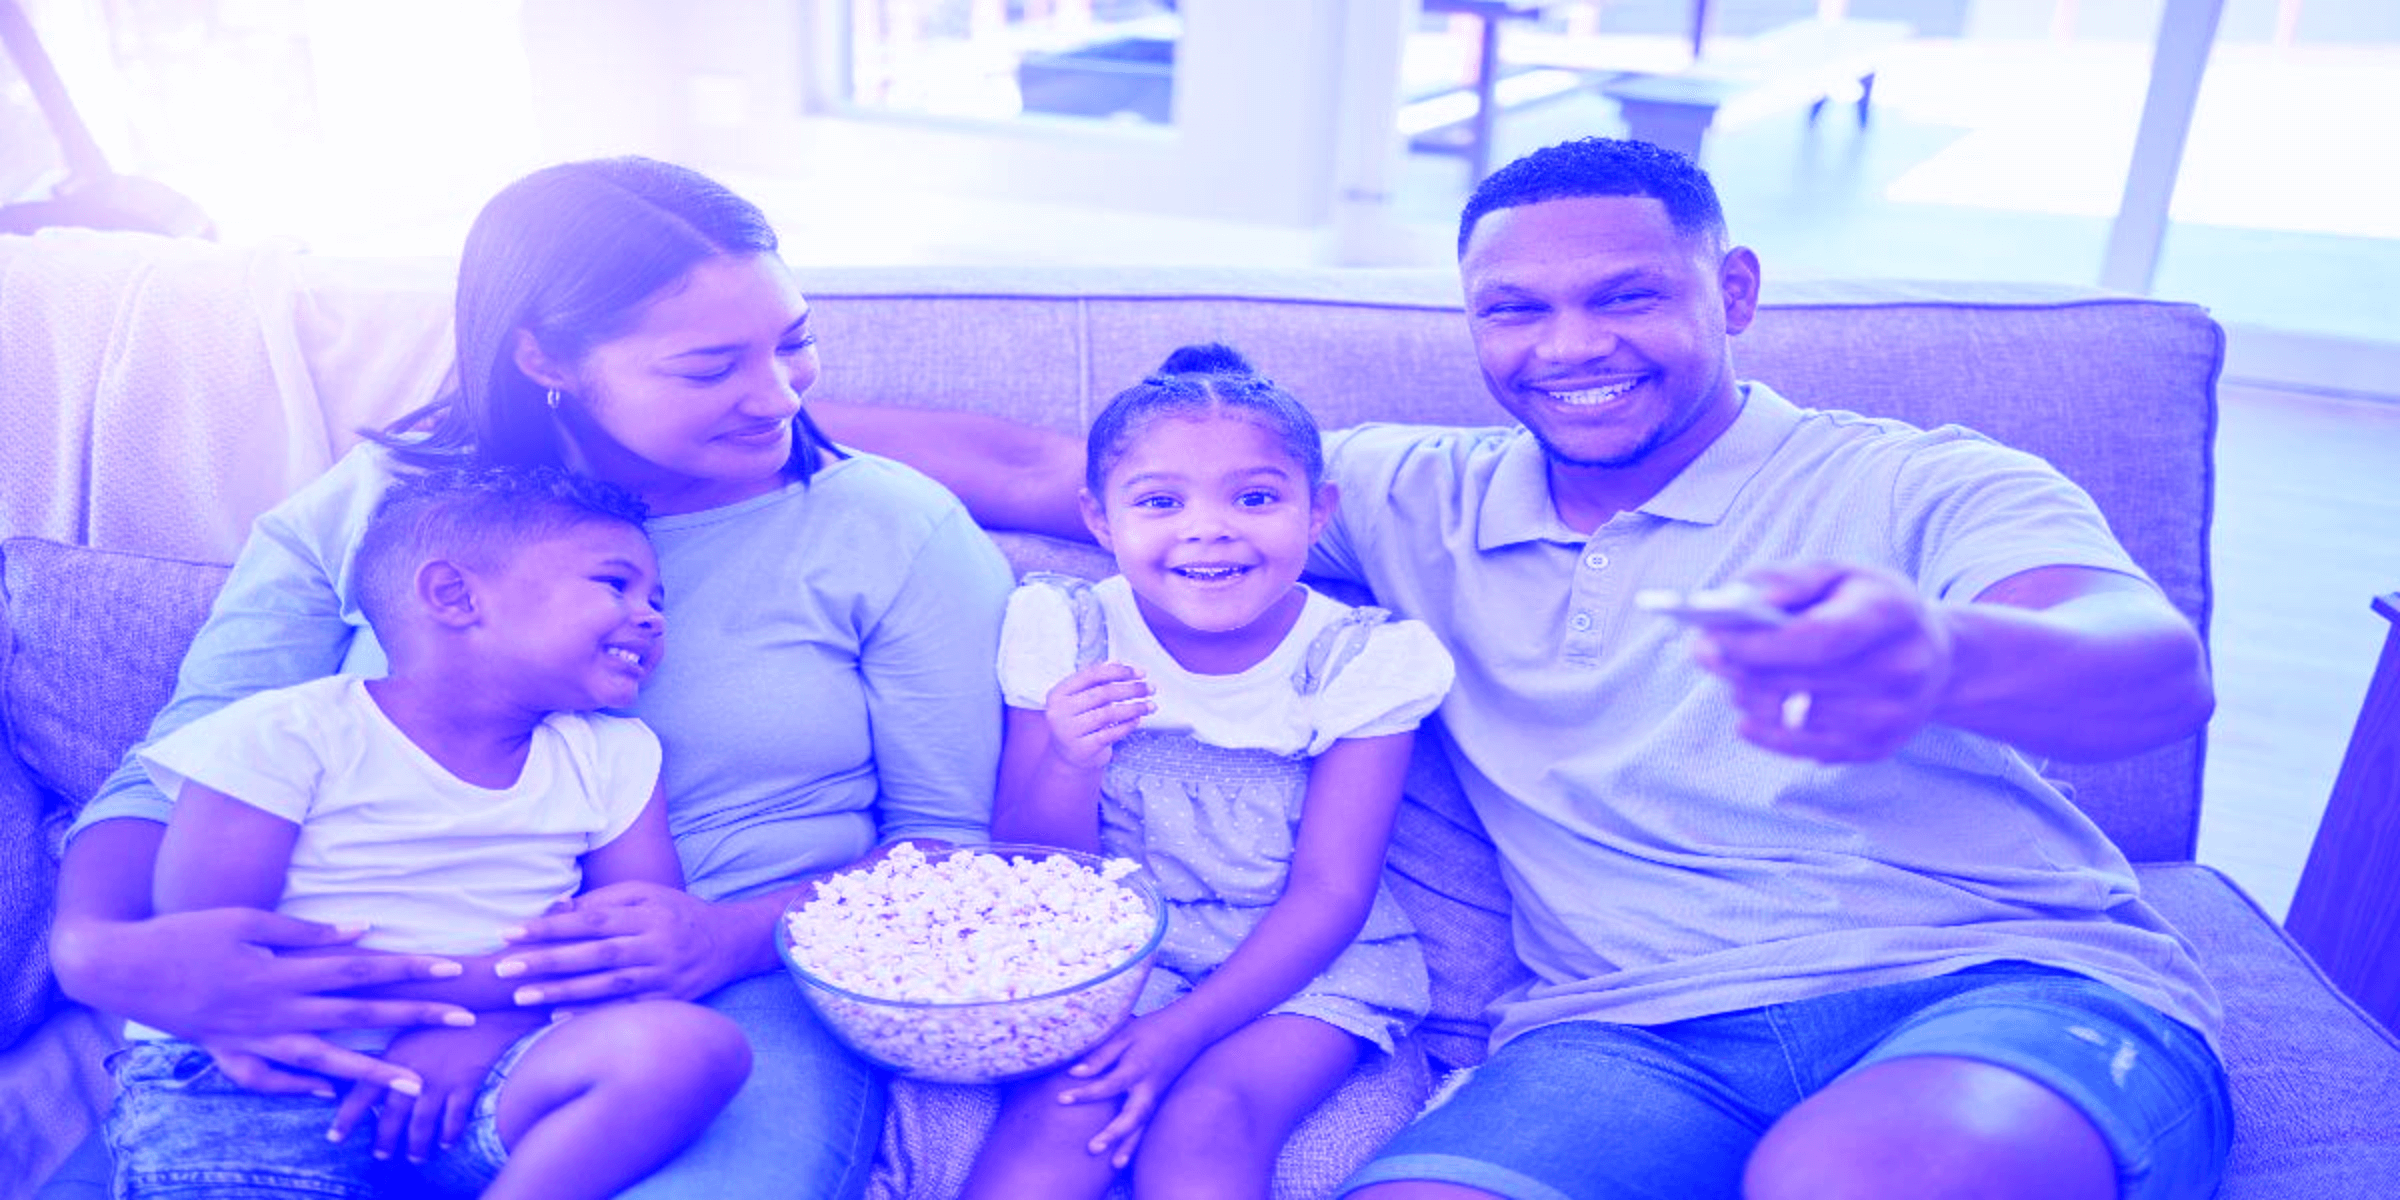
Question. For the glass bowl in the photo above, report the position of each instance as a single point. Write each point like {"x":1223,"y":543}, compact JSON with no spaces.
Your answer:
{"x":984,"y":1041}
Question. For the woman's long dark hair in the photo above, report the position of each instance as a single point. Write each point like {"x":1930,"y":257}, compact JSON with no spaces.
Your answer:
{"x":571,"y":254}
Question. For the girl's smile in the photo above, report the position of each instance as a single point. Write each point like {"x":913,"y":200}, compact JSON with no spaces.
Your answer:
{"x":1211,"y":521}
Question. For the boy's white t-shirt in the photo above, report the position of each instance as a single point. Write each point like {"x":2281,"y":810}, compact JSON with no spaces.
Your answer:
{"x":388,"y":837}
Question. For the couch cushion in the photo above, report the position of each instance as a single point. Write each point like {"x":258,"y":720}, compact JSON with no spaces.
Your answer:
{"x":2316,"y":1082}
{"x":96,"y":636}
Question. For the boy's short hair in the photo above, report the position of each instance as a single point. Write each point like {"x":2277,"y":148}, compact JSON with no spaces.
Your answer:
{"x":476,"y":516}
{"x":1597,"y":166}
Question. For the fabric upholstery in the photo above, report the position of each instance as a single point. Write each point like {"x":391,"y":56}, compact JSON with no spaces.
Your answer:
{"x":27,"y":879}
{"x":80,"y":688}
{"x":2316,"y":1082}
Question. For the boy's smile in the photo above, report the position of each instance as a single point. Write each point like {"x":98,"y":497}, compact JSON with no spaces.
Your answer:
{"x":573,"y":622}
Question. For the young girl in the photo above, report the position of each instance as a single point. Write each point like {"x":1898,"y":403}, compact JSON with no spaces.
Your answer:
{"x":1243,"y":737}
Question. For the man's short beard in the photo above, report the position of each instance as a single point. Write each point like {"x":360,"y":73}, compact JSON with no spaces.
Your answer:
{"x":1558,"y":454}
{"x":1668,"y":430}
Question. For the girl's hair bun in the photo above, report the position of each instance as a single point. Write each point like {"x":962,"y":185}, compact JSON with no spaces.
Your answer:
{"x":1206,"y":358}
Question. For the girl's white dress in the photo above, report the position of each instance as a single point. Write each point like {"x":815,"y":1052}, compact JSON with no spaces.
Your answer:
{"x":1208,"y":793}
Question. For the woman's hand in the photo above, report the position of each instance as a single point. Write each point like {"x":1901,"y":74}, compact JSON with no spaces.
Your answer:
{"x":452,"y":1065}
{"x":1138,"y":1062}
{"x":1093,"y":709}
{"x":631,"y":941}
{"x":238,"y":972}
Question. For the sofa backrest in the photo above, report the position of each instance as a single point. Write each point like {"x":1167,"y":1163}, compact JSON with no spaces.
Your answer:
{"x":2117,"y":392}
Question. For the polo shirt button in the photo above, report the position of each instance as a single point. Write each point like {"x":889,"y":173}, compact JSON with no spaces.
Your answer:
{"x":1582,"y":623}
{"x":1596,"y":560}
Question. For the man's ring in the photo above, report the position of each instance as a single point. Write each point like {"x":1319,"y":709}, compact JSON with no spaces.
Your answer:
{"x":1795,"y":710}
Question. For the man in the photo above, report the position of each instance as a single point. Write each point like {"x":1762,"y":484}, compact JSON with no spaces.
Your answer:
{"x":1860,"y":949}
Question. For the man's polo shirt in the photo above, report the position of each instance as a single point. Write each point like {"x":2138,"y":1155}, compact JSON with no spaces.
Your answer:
{"x":1661,"y":867}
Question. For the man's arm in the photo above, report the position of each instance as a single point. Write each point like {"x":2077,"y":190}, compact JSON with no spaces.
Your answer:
{"x":2078,"y":664}
{"x":1009,"y":475}
{"x":2072,"y":663}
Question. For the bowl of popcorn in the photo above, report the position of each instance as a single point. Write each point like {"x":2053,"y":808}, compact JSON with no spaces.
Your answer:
{"x":974,"y":964}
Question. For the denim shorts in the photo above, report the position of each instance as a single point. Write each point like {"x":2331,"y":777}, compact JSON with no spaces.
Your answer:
{"x":180,"y":1128}
{"x":1586,"y":1109}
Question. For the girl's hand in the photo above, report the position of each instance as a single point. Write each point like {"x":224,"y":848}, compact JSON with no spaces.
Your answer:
{"x":302,"y":1064}
{"x":1139,"y":1062}
{"x":453,"y":1063}
{"x":1093,"y":709}
{"x":624,"y":941}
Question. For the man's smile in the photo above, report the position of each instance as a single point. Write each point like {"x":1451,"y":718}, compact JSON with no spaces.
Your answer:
{"x":1587,"y":397}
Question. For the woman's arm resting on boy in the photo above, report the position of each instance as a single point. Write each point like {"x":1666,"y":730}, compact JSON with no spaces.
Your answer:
{"x":1010,"y":475}
{"x":638,"y":868}
{"x":1345,"y":828}
{"x":217,"y":972}
{"x":215,"y":966}
{"x":642,"y":941}
{"x":225,"y":978}
{"x":2072,"y":663}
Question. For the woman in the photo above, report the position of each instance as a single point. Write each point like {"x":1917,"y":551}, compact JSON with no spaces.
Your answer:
{"x":829,"y":690}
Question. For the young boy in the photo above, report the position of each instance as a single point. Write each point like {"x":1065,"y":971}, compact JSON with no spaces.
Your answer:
{"x":459,"y":796}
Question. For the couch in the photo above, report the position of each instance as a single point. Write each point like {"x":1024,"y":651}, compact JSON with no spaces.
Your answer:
{"x":157,"y":394}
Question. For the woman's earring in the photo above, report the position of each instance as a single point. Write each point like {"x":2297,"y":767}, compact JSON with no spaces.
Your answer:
{"x":551,"y":398}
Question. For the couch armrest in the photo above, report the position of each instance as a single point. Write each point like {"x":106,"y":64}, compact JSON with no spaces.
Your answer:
{"x":28,"y":874}
{"x":2347,"y":910}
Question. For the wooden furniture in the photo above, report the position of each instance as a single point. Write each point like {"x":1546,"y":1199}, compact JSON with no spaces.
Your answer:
{"x":1473,"y":142}
{"x":1803,"y":63}
{"x":2347,"y":911}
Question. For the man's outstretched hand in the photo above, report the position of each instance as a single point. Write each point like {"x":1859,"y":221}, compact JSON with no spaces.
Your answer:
{"x":1860,"y":668}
